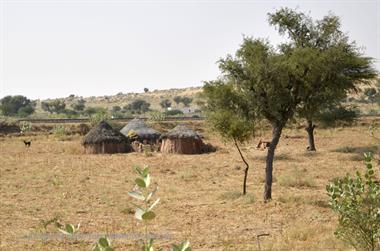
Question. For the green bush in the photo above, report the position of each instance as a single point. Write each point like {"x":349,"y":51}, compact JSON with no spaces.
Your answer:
{"x":335,"y":115}
{"x":173,"y":112}
{"x":356,"y":200}
{"x":99,"y":117}
{"x":25,"y":127}
{"x":60,"y":130}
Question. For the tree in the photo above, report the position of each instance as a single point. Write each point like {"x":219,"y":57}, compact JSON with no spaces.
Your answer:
{"x":79,"y":105}
{"x":232,"y":125}
{"x":333,"y":65}
{"x":146,"y":90}
{"x":278,"y":81}
{"x":54,"y":106}
{"x":186,"y":101}
{"x":165,"y":103}
{"x":116,"y":108}
{"x":138,"y":106}
{"x":266,"y":78}
{"x":371,"y":94}
{"x":177,"y":99}
{"x":16,"y":105}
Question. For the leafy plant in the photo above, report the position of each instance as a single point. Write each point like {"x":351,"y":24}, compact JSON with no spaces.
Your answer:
{"x":69,"y":229}
{"x":357,"y":202}
{"x":25,"y":127}
{"x":156,"y":116}
{"x":184,"y":246}
{"x":98,"y":117}
{"x":103,"y":244}
{"x":144,"y":211}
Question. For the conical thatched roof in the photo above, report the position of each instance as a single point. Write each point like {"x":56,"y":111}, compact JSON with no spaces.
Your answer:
{"x":142,"y":130}
{"x":181,"y":131}
{"x":103,"y":133}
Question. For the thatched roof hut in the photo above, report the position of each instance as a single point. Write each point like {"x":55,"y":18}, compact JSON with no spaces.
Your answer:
{"x":141,"y":131}
{"x":102,"y":138}
{"x":181,"y":140}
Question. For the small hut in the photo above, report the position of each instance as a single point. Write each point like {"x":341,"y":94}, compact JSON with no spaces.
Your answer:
{"x":102,"y":138}
{"x":141,"y":135}
{"x":182,"y":140}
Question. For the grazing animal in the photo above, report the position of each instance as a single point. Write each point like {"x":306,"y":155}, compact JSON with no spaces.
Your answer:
{"x":263,"y":144}
{"x":28,"y":143}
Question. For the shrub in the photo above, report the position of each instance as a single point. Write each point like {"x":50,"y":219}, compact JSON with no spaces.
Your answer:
{"x":356,"y":200}
{"x":98,"y":117}
{"x":156,"y":116}
{"x":25,"y":127}
{"x":60,"y":130}
{"x":332,"y":116}
{"x":173,"y":112}
{"x":144,"y":211}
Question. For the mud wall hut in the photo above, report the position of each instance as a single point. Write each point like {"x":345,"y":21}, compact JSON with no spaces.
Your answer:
{"x":182,"y":140}
{"x":102,"y":138}
{"x":141,"y":134}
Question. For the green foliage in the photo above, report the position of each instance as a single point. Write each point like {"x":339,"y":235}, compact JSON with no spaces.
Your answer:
{"x":103,"y":244}
{"x":174,"y":112}
{"x":25,"y":127}
{"x":144,"y":210}
{"x":177,"y":99}
{"x":231,"y":123}
{"x":146,"y":90}
{"x":16,"y":106}
{"x":324,"y":61}
{"x":142,"y":193}
{"x":79,"y":105}
{"x":99,"y":117}
{"x":184,"y":100}
{"x":69,"y":229}
{"x":156,"y":116}
{"x":184,"y":246}
{"x":138,"y":106}
{"x":334,"y":115}
{"x":165,"y":103}
{"x":356,"y":200}
{"x":54,"y":106}
{"x":70,"y":113}
{"x":60,"y":130}
{"x":372,"y":94}
{"x":89,"y":111}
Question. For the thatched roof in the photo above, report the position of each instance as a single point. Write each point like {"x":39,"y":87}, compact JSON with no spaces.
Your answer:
{"x":142,"y":130}
{"x":180,"y":132}
{"x":103,"y":133}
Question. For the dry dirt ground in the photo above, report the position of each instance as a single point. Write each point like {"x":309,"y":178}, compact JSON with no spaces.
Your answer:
{"x":200,"y":194}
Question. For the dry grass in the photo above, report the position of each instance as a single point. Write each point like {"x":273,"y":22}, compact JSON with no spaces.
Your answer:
{"x":200,"y":194}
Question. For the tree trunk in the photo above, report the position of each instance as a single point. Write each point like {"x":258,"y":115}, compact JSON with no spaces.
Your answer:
{"x":310,"y":131}
{"x":245,"y":170}
{"x":276,"y":134}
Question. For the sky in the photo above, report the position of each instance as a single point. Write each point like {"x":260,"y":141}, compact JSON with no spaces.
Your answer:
{"x":54,"y":48}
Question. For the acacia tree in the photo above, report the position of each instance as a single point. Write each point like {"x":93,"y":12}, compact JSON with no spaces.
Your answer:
{"x":231,"y":125}
{"x":280,"y":81}
{"x":338,"y":65}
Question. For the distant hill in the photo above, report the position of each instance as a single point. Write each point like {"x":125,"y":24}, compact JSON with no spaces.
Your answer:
{"x":123,"y":99}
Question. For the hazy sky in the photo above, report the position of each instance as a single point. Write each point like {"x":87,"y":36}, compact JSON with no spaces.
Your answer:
{"x":54,"y":48}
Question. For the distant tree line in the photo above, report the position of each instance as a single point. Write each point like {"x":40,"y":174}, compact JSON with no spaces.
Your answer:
{"x":18,"y":105}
